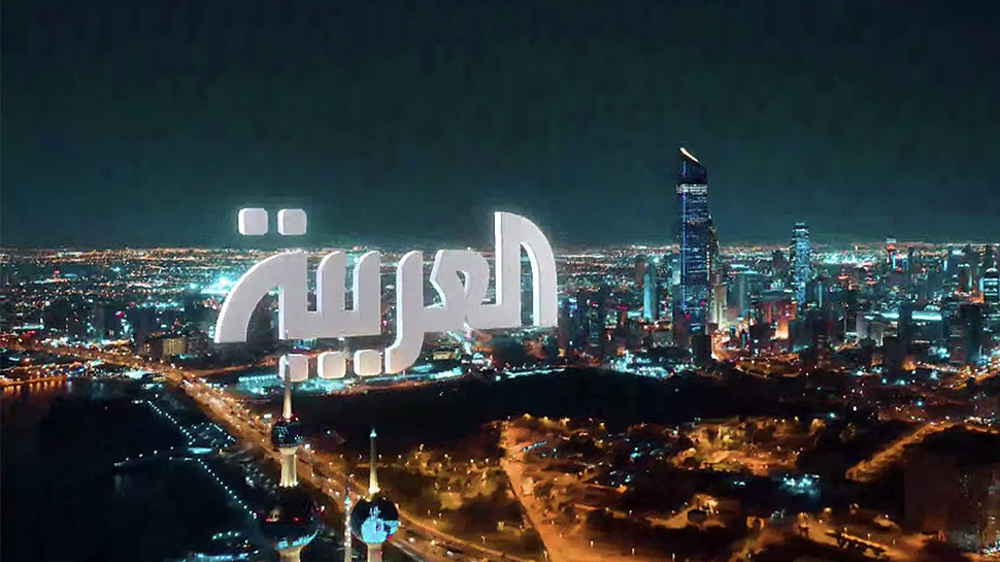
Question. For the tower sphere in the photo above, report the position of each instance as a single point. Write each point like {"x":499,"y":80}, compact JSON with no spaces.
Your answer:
{"x":287,"y":433}
{"x":374,"y":520}
{"x":292,"y":520}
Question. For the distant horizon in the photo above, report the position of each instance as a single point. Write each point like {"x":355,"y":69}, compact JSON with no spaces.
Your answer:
{"x":431,"y":246}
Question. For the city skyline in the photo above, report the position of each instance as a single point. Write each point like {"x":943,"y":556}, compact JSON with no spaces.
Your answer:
{"x":149,"y":124}
{"x":547,"y":281}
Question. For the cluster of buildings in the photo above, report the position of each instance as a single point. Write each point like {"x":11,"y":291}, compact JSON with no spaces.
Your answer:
{"x":691,"y":305}
{"x":862,"y":306}
{"x":869,"y":304}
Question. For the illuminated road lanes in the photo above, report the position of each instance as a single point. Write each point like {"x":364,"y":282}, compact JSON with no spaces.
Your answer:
{"x":441,"y":540}
{"x":561,"y":545}
{"x":239,"y":421}
{"x":870,"y":469}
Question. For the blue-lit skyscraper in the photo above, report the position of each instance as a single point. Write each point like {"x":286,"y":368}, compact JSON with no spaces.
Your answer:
{"x":801,"y":255}
{"x":694,"y":234}
{"x":991,"y":286}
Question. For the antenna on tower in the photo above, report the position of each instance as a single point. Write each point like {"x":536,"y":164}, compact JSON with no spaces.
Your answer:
{"x":372,"y":472}
{"x":347,"y":521}
{"x":286,"y":411}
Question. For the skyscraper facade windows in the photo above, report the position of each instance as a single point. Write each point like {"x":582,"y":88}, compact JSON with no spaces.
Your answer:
{"x":801,"y":256}
{"x":693,"y":232}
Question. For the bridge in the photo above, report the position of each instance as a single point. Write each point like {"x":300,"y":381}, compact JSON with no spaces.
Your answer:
{"x":6,"y":383}
{"x":856,"y":545}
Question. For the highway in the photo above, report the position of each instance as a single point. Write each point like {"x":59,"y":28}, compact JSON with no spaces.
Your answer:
{"x":428,"y":543}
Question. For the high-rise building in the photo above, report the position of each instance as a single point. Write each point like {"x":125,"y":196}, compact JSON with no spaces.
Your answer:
{"x":748,"y":284}
{"x":965,"y":278}
{"x":717,"y":290}
{"x":693,"y":232}
{"x":890,"y":252}
{"x":779,"y":264}
{"x":991,"y":286}
{"x":989,"y":257}
{"x":801,"y":258}
{"x":965,"y":342}
{"x":952,"y":257}
{"x":972,"y":258}
{"x":650,"y":295}
{"x":719,"y":311}
{"x":950,"y":487}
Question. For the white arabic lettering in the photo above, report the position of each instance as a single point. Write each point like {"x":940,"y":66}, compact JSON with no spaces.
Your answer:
{"x":460,"y":277}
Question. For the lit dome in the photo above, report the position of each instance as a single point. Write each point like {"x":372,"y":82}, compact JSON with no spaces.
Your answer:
{"x":292,"y":520}
{"x":287,"y":433}
{"x":374,"y":521}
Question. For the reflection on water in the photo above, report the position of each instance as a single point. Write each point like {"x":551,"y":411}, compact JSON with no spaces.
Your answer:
{"x":111,"y":470}
{"x":59,"y":446}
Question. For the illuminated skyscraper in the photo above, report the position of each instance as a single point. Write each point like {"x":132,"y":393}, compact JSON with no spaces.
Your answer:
{"x":650,"y":299}
{"x":989,"y":257}
{"x":890,"y":252}
{"x":965,"y":279}
{"x":779,"y":264}
{"x":717,"y":290}
{"x":693,"y":233}
{"x":965,"y":341}
{"x":991,"y":286}
{"x":801,"y":255}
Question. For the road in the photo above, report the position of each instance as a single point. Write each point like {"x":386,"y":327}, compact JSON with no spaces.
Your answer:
{"x":870,"y":469}
{"x":245,"y":425}
{"x":563,"y":543}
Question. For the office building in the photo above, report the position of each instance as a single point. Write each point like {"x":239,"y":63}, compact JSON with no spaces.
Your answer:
{"x":650,"y":295}
{"x":965,"y":341}
{"x":801,"y":258}
{"x":890,"y":253}
{"x":693,"y":232}
{"x":950,"y":488}
{"x":991,"y":286}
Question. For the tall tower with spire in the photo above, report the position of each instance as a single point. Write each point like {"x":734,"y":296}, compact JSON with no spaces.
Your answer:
{"x":373,"y":471}
{"x":293,"y":520}
{"x":347,"y":523}
{"x":286,"y":436}
{"x":694,"y":231}
{"x":374,"y":519}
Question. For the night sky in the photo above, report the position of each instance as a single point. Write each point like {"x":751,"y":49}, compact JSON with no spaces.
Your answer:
{"x":149,"y":122}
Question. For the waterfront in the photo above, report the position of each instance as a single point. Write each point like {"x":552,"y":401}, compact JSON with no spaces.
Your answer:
{"x":138,"y":472}
{"x":58,"y":448}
